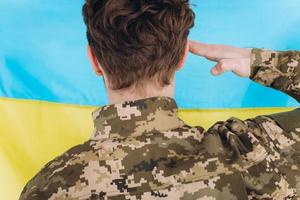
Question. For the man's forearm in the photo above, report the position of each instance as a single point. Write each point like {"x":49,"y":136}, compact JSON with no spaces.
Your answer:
{"x":279,"y":70}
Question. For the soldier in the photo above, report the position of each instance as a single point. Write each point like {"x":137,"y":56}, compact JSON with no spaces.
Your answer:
{"x":141,"y":149}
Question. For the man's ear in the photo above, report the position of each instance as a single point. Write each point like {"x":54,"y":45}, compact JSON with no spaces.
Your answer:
{"x":94,"y":61}
{"x":182,"y":61}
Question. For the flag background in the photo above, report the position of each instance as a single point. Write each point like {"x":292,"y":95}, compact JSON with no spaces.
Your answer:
{"x":48,"y":89}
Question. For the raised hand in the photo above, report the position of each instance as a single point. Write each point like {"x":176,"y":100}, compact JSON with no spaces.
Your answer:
{"x":228,"y":58}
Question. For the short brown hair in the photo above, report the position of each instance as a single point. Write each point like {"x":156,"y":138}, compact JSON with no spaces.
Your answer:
{"x":135,"y":40}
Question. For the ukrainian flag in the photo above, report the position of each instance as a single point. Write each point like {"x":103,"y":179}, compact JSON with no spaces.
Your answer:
{"x":48,"y":89}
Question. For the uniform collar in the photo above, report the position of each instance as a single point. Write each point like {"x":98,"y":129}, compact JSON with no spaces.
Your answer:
{"x":133,"y":118}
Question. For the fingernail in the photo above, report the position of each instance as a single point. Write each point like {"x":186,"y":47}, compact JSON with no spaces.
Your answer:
{"x":214,"y":71}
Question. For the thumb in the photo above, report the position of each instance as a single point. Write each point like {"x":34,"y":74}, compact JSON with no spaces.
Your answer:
{"x":222,"y":67}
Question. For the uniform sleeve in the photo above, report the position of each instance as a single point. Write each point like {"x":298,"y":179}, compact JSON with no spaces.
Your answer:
{"x":278,"y":133}
{"x":277,"y":69}
{"x":269,"y":145}
{"x":281,"y":71}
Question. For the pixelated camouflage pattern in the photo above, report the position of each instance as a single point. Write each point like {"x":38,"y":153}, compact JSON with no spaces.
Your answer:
{"x":142,"y":150}
{"x":280,"y":70}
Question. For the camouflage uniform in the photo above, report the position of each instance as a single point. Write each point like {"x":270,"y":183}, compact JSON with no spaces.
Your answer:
{"x":142,"y":150}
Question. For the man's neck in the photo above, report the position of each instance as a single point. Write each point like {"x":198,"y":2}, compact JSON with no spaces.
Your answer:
{"x":142,"y":92}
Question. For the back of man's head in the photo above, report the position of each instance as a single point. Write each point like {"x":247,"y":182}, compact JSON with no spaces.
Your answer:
{"x":136,"y":40}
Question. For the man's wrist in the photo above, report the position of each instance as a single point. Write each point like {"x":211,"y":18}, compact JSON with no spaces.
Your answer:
{"x":262,"y":58}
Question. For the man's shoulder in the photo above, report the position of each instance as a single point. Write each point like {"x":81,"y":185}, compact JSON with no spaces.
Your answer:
{"x":60,"y":173}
